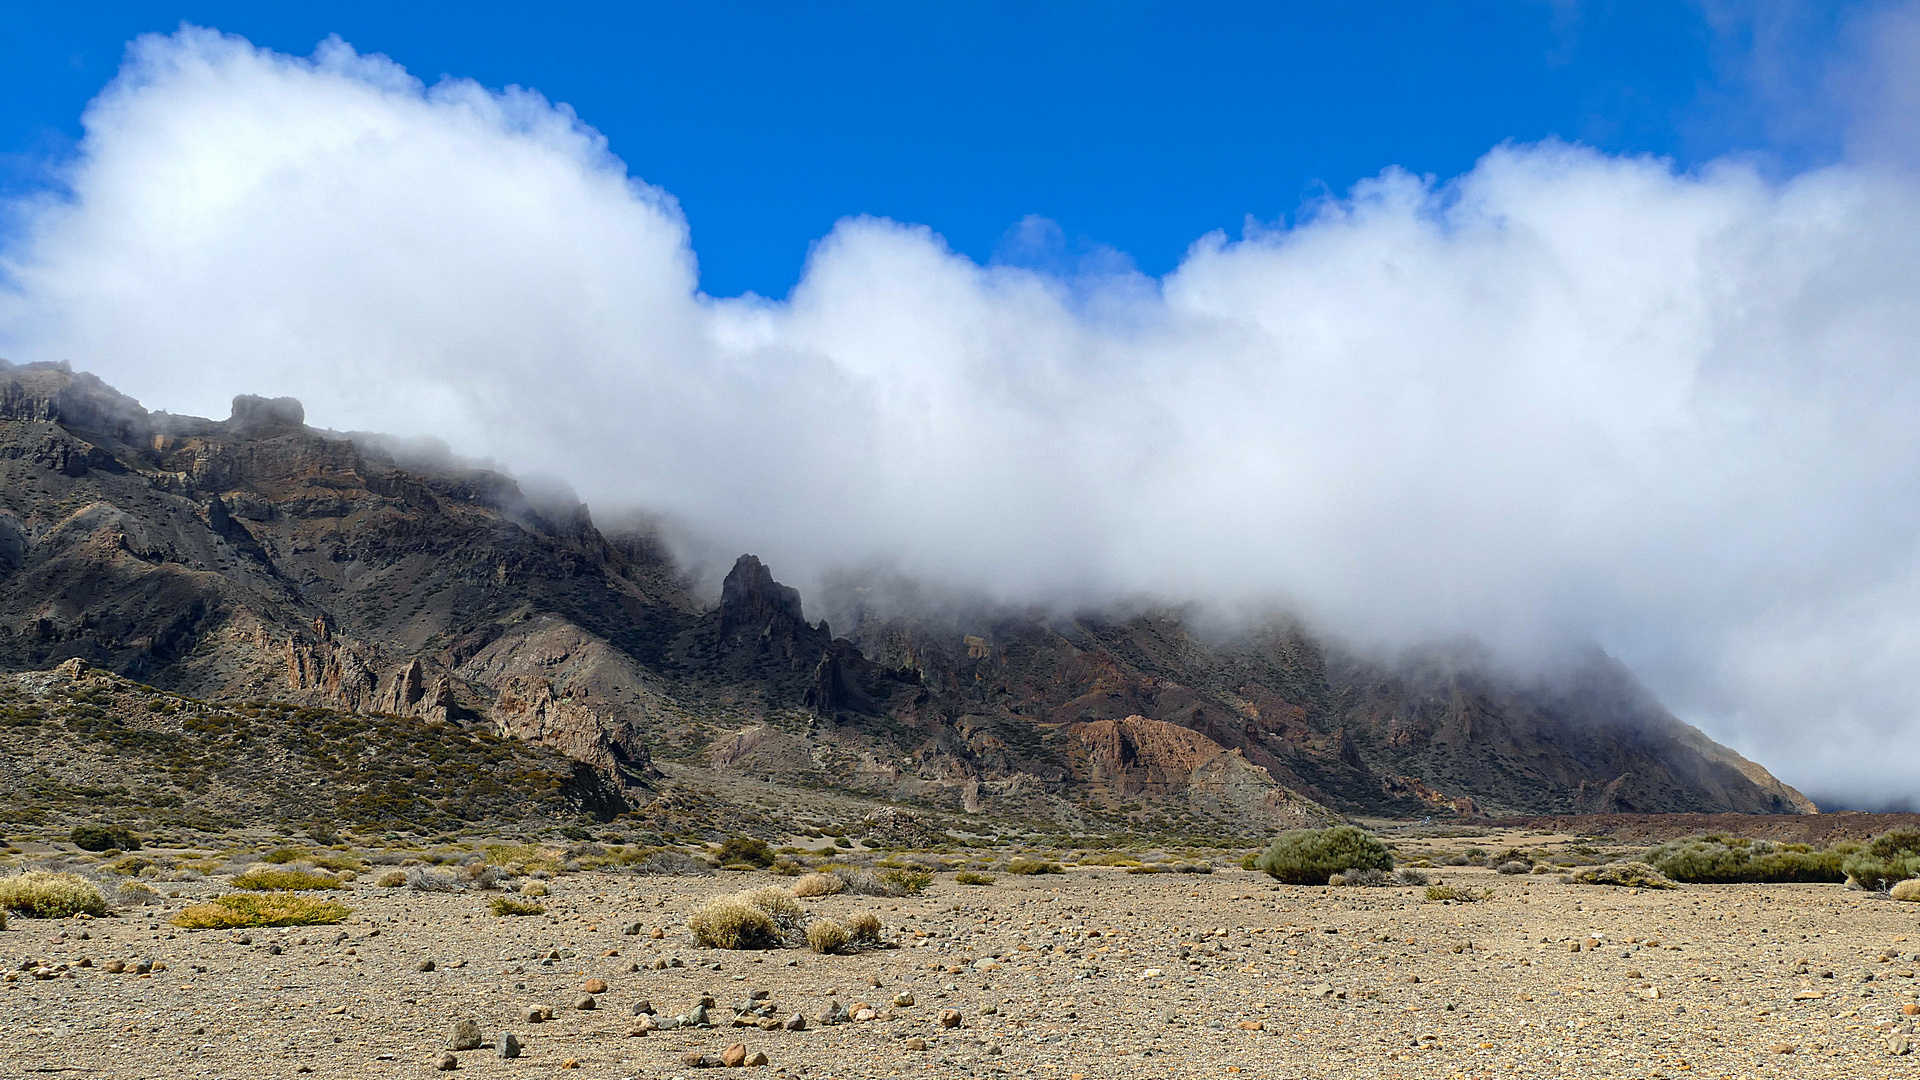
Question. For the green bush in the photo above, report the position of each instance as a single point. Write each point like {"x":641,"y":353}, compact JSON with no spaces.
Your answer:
{"x":827,"y":936}
{"x":745,"y":849}
{"x":1311,"y":856}
{"x":1716,"y":858}
{"x":973,"y":877}
{"x":1635,"y":875}
{"x":1891,"y":857}
{"x":1437,"y":893}
{"x":103,"y":838}
{"x":909,"y":882}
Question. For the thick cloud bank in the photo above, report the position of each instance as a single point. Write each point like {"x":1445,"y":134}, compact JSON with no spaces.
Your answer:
{"x":1563,"y":398}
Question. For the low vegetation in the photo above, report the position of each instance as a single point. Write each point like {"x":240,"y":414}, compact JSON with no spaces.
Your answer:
{"x":104,"y":838}
{"x":261,"y":909}
{"x":973,"y":877}
{"x":1456,"y":894}
{"x":827,"y":936}
{"x":1891,"y":857}
{"x":730,"y":922}
{"x":44,"y":894}
{"x":818,"y":885}
{"x":1718,"y":859}
{"x":1312,"y":856}
{"x":1635,"y":875}
{"x":744,"y":850}
{"x":507,"y":905}
{"x":908,"y":882}
{"x":1026,"y":866}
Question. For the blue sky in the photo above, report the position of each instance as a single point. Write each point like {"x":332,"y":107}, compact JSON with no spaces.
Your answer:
{"x":1135,"y":126}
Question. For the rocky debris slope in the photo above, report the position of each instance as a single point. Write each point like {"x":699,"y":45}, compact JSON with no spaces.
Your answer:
{"x":76,"y":744}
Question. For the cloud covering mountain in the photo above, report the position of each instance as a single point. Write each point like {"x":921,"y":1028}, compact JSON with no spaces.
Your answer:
{"x":1564,"y":398}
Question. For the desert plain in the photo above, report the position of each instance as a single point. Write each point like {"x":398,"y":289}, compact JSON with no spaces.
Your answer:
{"x":1089,"y":973}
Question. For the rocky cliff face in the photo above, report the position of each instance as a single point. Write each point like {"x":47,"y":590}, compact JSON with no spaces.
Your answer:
{"x":256,"y":557}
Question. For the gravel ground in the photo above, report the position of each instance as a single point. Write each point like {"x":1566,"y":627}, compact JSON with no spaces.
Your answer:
{"x":1093,"y":973}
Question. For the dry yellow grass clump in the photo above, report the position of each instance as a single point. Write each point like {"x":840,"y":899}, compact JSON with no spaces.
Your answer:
{"x":730,"y":922}
{"x":827,"y":936}
{"x":254,"y":909}
{"x":43,"y":894}
{"x":818,"y":885}
{"x":865,"y":928}
{"x":1906,"y":890}
{"x":779,"y":905}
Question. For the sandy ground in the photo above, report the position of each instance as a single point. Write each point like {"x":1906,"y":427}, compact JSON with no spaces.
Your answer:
{"x":1093,"y":973}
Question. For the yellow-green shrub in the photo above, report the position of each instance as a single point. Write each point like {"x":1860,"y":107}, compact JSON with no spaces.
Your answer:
{"x":730,"y":922}
{"x":43,"y":894}
{"x":257,"y":909}
{"x":827,"y":936}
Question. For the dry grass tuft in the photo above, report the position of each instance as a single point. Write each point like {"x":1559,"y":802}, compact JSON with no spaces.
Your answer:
{"x":730,"y":922}
{"x":254,"y":909}
{"x":827,"y":936}
{"x":973,"y":877}
{"x":1906,"y":890}
{"x":818,"y":885}
{"x":43,"y":894}
{"x":865,"y":928}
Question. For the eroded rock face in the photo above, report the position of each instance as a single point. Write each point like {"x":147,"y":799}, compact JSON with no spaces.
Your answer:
{"x":1127,"y":758}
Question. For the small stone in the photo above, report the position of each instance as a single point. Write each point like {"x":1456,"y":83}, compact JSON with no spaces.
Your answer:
{"x":1808,"y":995}
{"x":902,"y":1000}
{"x":1591,"y":944}
{"x":733,"y":1057}
{"x":584,"y":1002}
{"x":466,"y":1036}
{"x":594,"y":986}
{"x":1899,"y":1046}
{"x":115,"y":967}
{"x":446,"y":1062}
{"x":643,"y":1007}
{"x":632,"y":929}
{"x":644,"y":1023}
{"x":694,"y":1059}
{"x":1573,"y":946}
{"x":274,"y":950}
{"x":759,"y":995}
{"x":507,"y":1046}
{"x":1252,"y":1025}
{"x":1783,"y":1048}
{"x":796,"y":1022}
{"x":916,"y":1043}
{"x":1911,"y":1008}
{"x":657,"y":935}
{"x":424,"y":965}
{"x":536,"y":1014}
{"x":993,"y":1050}
{"x":861,"y":1016}
{"x":141,"y":967}
{"x":698,"y":1017}
{"x":570,"y":1063}
{"x":949,"y":1018}
{"x":758,"y":1060}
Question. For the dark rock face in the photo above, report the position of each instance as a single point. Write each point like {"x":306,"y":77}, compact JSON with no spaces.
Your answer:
{"x":256,"y":557}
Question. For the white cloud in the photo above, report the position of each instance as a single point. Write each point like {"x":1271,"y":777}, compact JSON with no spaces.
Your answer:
{"x":1564,"y":397}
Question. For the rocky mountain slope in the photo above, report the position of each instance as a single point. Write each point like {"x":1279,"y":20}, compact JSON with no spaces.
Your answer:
{"x":258,"y":558}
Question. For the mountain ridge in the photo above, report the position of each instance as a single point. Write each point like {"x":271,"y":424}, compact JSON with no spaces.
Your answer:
{"x":259,"y":557}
